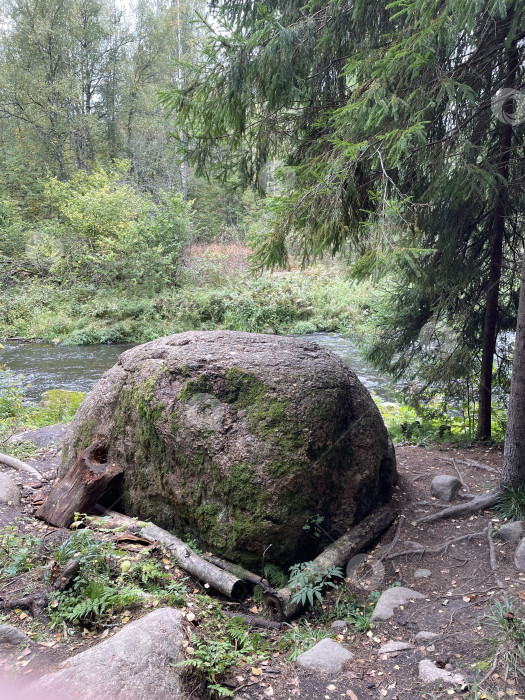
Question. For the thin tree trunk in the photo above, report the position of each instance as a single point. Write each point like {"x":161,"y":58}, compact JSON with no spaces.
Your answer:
{"x":490,"y":323}
{"x":513,"y":474}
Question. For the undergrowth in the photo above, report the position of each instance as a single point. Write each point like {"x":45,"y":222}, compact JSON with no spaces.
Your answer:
{"x":511,"y":503}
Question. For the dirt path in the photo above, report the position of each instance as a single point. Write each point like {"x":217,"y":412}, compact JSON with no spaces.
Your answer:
{"x":459,"y":593}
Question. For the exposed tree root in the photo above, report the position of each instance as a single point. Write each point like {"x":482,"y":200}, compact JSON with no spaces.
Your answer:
{"x":476,"y":465}
{"x":436,"y":550}
{"x":492,"y":556}
{"x":476,"y":504}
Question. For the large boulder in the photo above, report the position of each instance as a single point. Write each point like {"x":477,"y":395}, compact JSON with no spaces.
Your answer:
{"x":239,"y":439}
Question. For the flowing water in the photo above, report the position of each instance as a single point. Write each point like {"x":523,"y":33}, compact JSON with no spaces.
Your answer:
{"x":79,"y":367}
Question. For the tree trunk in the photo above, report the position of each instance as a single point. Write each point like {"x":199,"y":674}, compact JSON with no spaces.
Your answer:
{"x":81,"y":487}
{"x":513,"y":474}
{"x":490,"y":322}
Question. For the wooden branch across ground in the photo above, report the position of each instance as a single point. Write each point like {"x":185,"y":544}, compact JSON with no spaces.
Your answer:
{"x":486,"y":500}
{"x":18,"y":464}
{"x":354,"y":541}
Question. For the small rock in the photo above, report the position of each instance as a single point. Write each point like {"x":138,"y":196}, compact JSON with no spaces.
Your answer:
{"x":327,"y":656}
{"x":512,"y":532}
{"x":391,"y":647}
{"x":430,"y":673}
{"x":519,"y":556}
{"x":426,"y":636}
{"x":9,"y":491}
{"x":393,"y":598}
{"x":339,"y":625}
{"x":445,"y":487}
{"x":422,"y":573}
{"x":12,"y":635}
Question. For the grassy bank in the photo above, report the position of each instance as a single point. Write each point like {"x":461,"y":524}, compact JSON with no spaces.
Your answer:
{"x":213,"y":295}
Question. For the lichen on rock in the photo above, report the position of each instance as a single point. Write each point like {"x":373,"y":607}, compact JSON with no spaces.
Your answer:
{"x":239,"y":439}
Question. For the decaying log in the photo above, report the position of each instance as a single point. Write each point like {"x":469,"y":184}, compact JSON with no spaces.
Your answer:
{"x":241,"y":572}
{"x":354,"y":541}
{"x":223,"y":581}
{"x":18,"y":464}
{"x":254,"y":621}
{"x":81,"y":487}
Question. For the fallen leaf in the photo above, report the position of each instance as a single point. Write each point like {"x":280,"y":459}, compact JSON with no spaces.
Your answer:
{"x":26,"y":652}
{"x":331,"y":687}
{"x":256,"y":671}
{"x":352,"y":695}
{"x":254,"y":610}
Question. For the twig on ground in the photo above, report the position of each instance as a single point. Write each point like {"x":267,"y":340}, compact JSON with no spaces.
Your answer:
{"x":18,"y":464}
{"x":491,"y":670}
{"x":419,"y":477}
{"x":460,"y":476}
{"x":470,"y":463}
{"x":394,"y":539}
{"x":492,"y":555}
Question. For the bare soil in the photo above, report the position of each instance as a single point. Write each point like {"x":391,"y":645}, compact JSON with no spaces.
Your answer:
{"x":459,"y":594}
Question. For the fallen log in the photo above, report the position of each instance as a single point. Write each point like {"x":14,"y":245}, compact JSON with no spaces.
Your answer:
{"x":223,"y":581}
{"x":254,"y":621}
{"x":354,"y":541}
{"x":18,"y":464}
{"x":81,"y":487}
{"x":241,"y":572}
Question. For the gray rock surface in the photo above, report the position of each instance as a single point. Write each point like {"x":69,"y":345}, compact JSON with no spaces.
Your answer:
{"x":238,"y":438}
{"x":391,"y":599}
{"x":391,"y":647}
{"x":422,"y":573}
{"x":430,"y":673}
{"x":327,"y":656}
{"x":43,"y":437}
{"x":519,"y":556}
{"x":512,"y":532}
{"x":9,"y":491}
{"x":426,"y":636}
{"x":12,"y":635}
{"x":339,"y":625}
{"x":137,"y":663}
{"x":445,"y":487}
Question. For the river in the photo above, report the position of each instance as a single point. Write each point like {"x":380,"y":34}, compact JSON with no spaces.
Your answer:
{"x":79,"y":367}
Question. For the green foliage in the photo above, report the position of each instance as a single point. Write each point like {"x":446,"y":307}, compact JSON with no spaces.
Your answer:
{"x":347,"y":607}
{"x":507,"y":622}
{"x":94,"y":593}
{"x":19,"y":552}
{"x":275,"y":576}
{"x":511,"y":504}
{"x":212,"y":656}
{"x":300,"y":636}
{"x":308,"y":583}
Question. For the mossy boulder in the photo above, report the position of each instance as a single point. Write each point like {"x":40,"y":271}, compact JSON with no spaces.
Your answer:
{"x":239,"y":439}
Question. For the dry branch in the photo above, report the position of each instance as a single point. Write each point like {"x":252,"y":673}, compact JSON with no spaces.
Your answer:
{"x":476,"y":504}
{"x":18,"y":464}
{"x":470,"y":463}
{"x":492,"y":556}
{"x":435,"y":550}
{"x":355,"y":540}
{"x":254,"y":621}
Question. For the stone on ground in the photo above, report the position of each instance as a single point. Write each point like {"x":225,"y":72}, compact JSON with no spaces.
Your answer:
{"x":43,"y":437}
{"x":391,"y":647}
{"x":512,"y":532}
{"x":138,"y":663}
{"x":422,"y":573}
{"x":519,"y":556}
{"x":9,"y":491}
{"x":12,"y":635}
{"x":391,"y":599}
{"x":426,"y":636}
{"x":445,"y":487}
{"x":327,"y":656}
{"x":430,"y":673}
{"x":238,"y":439}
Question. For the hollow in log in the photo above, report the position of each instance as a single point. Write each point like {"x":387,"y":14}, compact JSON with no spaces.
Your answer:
{"x":81,"y":487}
